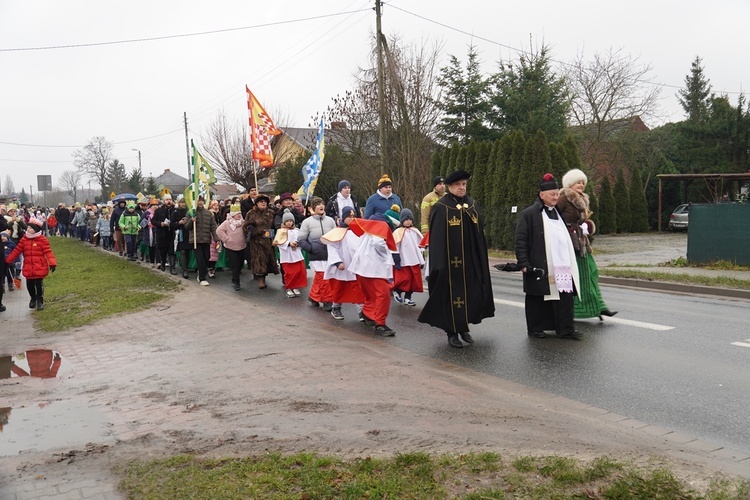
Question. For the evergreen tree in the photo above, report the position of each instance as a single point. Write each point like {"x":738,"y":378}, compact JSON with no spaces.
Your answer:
{"x":501,"y":191}
{"x":537,"y":162}
{"x":593,"y":204}
{"x":479,"y":175}
{"x":695,"y":98}
{"x":461,"y":158}
{"x":464,"y":101}
{"x":445,"y":161}
{"x":530,"y":96}
{"x":622,"y":203}
{"x":452,"y":164}
{"x":572,"y":154}
{"x":23,"y":197}
{"x":436,"y":165}
{"x":638,"y":203}
{"x":151,"y":187}
{"x":559,"y":161}
{"x":515,"y":171}
{"x":116,"y":178}
{"x":607,"y":221}
{"x":289,"y":175}
{"x":471,"y":157}
{"x":136,"y":181}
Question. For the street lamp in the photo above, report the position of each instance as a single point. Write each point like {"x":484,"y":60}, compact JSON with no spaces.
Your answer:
{"x":139,"y":157}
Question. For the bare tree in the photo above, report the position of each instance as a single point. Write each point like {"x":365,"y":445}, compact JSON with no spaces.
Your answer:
{"x":9,"y":186}
{"x":605,"y":91}
{"x":93,"y":159}
{"x":70,"y":180}
{"x":412,"y":113}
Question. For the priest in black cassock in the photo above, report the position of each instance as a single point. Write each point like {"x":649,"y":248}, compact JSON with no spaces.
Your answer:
{"x":547,"y":259}
{"x":459,"y":278}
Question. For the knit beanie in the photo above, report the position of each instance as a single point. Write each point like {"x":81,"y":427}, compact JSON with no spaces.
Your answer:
{"x":392,"y":216}
{"x":346,"y":212}
{"x":36,"y":224}
{"x":343,"y":184}
{"x":406,"y":214}
{"x":548,"y":182}
{"x":572,"y":177}
{"x":384,"y":181}
{"x":288,"y":215}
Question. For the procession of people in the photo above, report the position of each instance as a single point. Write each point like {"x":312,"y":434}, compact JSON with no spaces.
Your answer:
{"x":365,"y":256}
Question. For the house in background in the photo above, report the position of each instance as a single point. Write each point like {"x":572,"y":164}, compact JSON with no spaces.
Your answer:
{"x":175,"y":183}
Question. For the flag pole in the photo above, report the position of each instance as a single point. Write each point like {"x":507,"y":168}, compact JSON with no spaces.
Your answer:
{"x":256,"y":165}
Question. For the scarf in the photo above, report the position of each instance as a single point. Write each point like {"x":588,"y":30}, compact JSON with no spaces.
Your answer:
{"x":558,"y":248}
{"x":32,"y":235}
{"x":234,"y":222}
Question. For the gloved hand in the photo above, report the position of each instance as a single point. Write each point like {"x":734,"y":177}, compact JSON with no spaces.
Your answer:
{"x":397,"y":261}
{"x":585,"y":229}
{"x":52,"y":269}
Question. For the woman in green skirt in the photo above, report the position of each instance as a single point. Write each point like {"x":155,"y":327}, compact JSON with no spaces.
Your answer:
{"x":573,"y":204}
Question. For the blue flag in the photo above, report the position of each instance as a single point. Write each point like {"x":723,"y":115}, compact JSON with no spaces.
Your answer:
{"x":311,"y":170}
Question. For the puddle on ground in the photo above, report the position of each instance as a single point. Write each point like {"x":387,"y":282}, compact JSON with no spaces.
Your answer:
{"x":46,"y":426}
{"x":40,"y":363}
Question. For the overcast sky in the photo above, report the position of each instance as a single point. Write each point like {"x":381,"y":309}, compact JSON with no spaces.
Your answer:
{"x":295,"y":56}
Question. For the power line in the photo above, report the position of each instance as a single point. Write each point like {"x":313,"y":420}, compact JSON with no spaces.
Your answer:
{"x":521,"y":51}
{"x":182,"y":35}
{"x":82,"y":146}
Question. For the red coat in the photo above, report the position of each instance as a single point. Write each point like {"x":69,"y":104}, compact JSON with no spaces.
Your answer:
{"x":37,"y":256}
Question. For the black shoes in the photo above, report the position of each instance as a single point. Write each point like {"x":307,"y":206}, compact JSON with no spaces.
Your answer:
{"x":572,"y":335}
{"x":327,"y":306}
{"x":2,"y":308}
{"x":453,"y":341}
{"x":336,"y":313}
{"x":466,"y":337}
{"x":537,"y":335}
{"x":40,"y":305}
{"x":607,"y":313}
{"x":384,"y":331}
{"x":32,"y":304}
{"x":185,"y":274}
{"x":367,"y":320}
{"x":236,"y":285}
{"x":313,"y":303}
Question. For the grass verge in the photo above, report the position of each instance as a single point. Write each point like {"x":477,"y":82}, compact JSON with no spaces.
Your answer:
{"x":90,"y":285}
{"x":715,"y":281}
{"x":412,"y":475}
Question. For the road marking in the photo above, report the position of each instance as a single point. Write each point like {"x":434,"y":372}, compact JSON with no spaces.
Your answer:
{"x":742,"y":344}
{"x":622,"y":321}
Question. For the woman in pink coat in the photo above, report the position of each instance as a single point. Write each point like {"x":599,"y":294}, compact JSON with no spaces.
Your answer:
{"x":233,"y":237}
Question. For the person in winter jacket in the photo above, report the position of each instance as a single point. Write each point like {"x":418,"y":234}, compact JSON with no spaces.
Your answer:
{"x":344,"y":198}
{"x":38,"y":261}
{"x":79,"y":221}
{"x":204,"y":225}
{"x":114,"y":224}
{"x":105,"y":233}
{"x":165,"y":233}
{"x":258,"y":226}
{"x":231,"y":235}
{"x":129,"y":223}
{"x":310,"y":233}
{"x":407,"y":275}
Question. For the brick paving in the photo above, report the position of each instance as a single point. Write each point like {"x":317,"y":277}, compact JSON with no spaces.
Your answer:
{"x":255,"y":378}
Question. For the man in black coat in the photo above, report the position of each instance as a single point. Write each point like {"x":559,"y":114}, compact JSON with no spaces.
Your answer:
{"x":162,"y":221}
{"x":62,"y":214}
{"x":287,"y":202}
{"x":547,"y":260}
{"x":459,"y":279}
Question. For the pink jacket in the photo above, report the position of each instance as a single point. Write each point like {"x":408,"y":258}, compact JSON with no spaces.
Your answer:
{"x":233,"y":239}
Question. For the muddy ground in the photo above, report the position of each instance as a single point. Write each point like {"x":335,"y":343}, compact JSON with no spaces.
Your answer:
{"x":215,"y":374}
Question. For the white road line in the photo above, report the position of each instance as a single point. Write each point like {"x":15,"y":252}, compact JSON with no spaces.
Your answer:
{"x":741,"y":344}
{"x":622,"y":321}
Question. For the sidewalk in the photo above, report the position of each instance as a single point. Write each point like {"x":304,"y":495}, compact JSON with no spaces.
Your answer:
{"x":215,"y":374}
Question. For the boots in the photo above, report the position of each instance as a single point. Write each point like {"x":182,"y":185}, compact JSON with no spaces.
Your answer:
{"x":172,"y":264}
{"x":162,"y":264}
{"x":32,"y":303}
{"x":261,"y":282}
{"x":40,"y":304}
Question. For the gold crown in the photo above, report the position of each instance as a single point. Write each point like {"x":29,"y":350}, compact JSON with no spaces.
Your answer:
{"x":454,"y":221}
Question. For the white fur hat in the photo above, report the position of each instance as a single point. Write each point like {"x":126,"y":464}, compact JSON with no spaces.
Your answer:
{"x":573,"y":176}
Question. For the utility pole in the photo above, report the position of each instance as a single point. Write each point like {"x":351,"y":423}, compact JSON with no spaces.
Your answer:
{"x":381,"y":86}
{"x":139,"y":159}
{"x":187,"y":147}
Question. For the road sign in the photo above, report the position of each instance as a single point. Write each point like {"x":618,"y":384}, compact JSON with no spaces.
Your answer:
{"x":44,"y":183}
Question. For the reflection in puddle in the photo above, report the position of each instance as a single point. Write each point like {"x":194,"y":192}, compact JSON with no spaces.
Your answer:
{"x":41,"y":363}
{"x":51,"y":425}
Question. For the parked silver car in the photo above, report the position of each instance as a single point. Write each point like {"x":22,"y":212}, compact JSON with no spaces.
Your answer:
{"x":679,"y":218}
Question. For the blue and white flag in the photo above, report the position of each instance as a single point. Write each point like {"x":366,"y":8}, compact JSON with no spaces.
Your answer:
{"x":311,"y":170}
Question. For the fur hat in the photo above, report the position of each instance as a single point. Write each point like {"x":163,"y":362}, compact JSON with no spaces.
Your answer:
{"x":548,"y":182}
{"x":406,"y":214}
{"x":263,"y":197}
{"x":385,"y":181}
{"x":343,"y":184}
{"x":392,"y":216}
{"x":456,"y":176}
{"x":572,"y":177}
